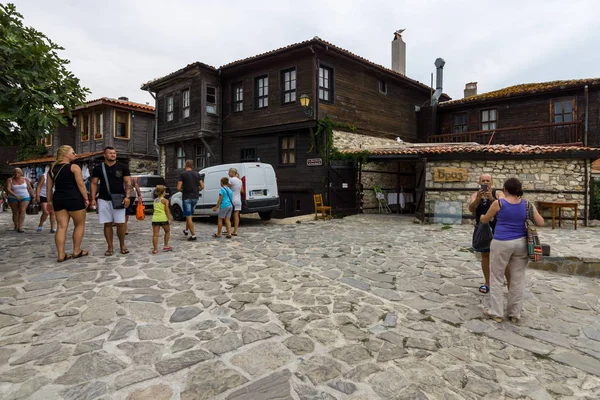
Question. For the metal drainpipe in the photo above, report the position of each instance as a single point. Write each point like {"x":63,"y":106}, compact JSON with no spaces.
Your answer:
{"x":156,"y":128}
{"x":587,"y":103}
{"x":586,"y":194}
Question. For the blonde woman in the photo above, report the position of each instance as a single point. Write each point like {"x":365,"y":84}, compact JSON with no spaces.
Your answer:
{"x":69,"y":200}
{"x":20,"y":194}
{"x":237,"y":188}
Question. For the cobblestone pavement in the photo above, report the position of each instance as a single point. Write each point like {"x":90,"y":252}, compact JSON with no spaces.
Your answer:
{"x":366,"y":307}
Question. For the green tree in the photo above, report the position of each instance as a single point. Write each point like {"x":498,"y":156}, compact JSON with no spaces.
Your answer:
{"x":34,"y":82}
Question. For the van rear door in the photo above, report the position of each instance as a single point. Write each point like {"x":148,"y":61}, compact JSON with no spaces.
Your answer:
{"x":256,"y":182}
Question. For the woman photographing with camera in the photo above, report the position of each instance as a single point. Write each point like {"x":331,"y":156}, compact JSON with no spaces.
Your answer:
{"x":509,"y":249}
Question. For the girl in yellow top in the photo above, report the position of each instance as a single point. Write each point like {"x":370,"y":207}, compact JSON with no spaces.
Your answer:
{"x":161,"y":217}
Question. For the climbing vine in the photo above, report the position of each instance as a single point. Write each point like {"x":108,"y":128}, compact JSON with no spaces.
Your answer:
{"x":325,"y":127}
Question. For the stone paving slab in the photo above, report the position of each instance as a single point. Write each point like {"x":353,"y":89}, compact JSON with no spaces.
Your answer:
{"x":366,"y":307}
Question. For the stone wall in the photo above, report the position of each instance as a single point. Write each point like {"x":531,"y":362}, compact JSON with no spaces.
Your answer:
{"x":385,"y":175}
{"x":537,"y":176}
{"x":143,"y":166}
{"x":354,"y":141}
{"x":163,"y":161}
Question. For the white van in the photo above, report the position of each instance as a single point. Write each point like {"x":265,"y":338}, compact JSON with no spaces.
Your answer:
{"x":259,"y":183}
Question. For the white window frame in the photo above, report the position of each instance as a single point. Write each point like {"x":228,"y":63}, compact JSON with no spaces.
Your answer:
{"x":487,"y":123}
{"x":200,"y":156}
{"x":186,"y":103}
{"x":180,"y":155}
{"x":169,"y":108}
{"x":211,"y":107}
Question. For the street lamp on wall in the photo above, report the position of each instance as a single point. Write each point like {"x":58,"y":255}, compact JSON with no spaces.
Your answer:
{"x":306,"y":106}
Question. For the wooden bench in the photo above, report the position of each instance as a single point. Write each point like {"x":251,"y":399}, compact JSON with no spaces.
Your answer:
{"x":320,"y":207}
{"x":554,"y":205}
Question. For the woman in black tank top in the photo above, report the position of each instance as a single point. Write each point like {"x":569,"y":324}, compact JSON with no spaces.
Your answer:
{"x":69,"y":200}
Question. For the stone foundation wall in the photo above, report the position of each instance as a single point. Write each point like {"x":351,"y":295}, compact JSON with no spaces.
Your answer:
{"x":555,"y":176}
{"x":163,"y":161}
{"x":142,"y":166}
{"x":385,"y":175}
{"x":354,"y":141}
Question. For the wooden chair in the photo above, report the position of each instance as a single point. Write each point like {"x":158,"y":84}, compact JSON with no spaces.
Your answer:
{"x":320,"y":208}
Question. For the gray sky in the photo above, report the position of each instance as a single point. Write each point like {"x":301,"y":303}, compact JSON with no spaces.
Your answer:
{"x":116,"y":45}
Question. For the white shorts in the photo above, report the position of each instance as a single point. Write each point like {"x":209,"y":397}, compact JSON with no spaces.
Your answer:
{"x":108,"y":215}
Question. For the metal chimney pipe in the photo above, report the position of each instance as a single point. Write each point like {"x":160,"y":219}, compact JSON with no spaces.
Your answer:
{"x":439,"y":80}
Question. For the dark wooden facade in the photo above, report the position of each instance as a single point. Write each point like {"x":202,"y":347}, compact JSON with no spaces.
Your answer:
{"x":7,"y":155}
{"x":94,"y":126}
{"x":374,"y":99}
{"x":193,"y":134}
{"x":556,"y":114}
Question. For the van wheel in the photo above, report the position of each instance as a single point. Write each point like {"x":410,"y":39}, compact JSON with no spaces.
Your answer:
{"x":177,"y":213}
{"x":265,"y":216}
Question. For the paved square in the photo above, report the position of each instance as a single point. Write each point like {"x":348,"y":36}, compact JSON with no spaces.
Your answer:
{"x":367,"y":307}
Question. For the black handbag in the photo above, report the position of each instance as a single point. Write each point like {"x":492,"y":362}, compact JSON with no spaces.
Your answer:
{"x":115,"y":198}
{"x":482,"y":237}
{"x":33,"y":208}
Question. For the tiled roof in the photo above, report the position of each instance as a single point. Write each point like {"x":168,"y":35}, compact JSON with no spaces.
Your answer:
{"x":315,"y":40}
{"x":525,"y":89}
{"x":50,"y":159}
{"x":116,"y":102}
{"x":463,"y":148}
{"x":188,"y":67}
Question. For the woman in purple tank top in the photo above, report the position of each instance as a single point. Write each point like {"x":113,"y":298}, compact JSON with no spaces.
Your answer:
{"x":509,"y":249}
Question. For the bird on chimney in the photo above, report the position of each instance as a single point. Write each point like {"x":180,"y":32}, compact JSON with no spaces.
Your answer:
{"x":398,"y":33}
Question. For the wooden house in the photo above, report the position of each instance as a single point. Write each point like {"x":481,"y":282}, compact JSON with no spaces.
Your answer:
{"x":125,"y":125}
{"x":250,"y":110}
{"x":547,"y":113}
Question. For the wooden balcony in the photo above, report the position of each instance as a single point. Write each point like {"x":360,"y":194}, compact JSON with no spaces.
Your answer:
{"x":566,"y":133}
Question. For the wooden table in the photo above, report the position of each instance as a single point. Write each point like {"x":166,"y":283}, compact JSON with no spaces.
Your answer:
{"x":558,"y":205}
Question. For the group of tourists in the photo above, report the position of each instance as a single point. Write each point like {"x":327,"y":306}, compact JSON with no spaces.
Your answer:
{"x":506,"y":212}
{"x":228,"y":206}
{"x":63,"y":196}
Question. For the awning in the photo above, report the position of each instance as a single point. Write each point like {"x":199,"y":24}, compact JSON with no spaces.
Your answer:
{"x":51,"y":159}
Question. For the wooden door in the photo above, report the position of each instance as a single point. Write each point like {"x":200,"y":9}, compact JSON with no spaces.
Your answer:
{"x":342,"y":187}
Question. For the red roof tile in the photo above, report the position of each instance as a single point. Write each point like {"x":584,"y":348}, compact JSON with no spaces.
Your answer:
{"x":117,"y":103}
{"x":315,"y":40}
{"x":473,"y":148}
{"x":525,"y":89}
{"x":50,"y":159}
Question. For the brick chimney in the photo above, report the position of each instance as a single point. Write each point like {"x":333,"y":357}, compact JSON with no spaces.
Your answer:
{"x":399,"y":53}
{"x":470,"y":89}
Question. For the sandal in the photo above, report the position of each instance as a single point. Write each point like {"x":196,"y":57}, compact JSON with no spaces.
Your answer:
{"x":215,"y":235}
{"x":124,"y":251}
{"x":234,"y":234}
{"x":484,"y":289}
{"x":168,"y":248}
{"x":65,"y":258}
{"x":82,"y":253}
{"x":108,"y":253}
{"x":154,"y":251}
{"x":492,"y":317}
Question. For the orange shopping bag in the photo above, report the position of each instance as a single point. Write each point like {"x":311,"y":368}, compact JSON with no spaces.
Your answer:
{"x":139,"y":212}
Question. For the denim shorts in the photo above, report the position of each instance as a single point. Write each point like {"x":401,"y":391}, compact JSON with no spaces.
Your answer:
{"x":14,"y":199}
{"x":188,"y":207}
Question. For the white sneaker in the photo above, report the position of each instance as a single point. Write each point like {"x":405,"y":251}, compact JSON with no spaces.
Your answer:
{"x":39,"y":229}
